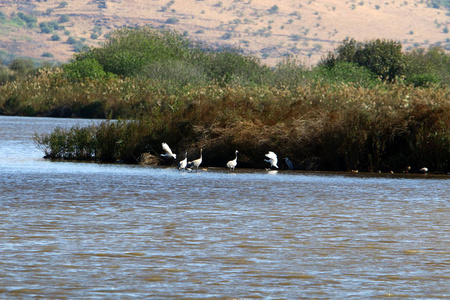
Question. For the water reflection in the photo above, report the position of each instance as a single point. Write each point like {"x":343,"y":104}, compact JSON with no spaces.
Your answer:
{"x":87,"y":230}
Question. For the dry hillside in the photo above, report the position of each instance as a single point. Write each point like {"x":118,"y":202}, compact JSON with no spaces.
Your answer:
{"x":269,"y":29}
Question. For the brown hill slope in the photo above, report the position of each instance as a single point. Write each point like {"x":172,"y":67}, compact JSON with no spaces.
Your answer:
{"x":270,"y":30}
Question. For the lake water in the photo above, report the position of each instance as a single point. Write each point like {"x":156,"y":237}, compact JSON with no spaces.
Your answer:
{"x":97,"y":231}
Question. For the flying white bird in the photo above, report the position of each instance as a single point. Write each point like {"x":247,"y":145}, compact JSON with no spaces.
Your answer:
{"x":289,"y":163}
{"x":232,"y":163}
{"x":182,"y":164}
{"x":272,"y":159}
{"x":169,"y":152}
{"x":196,"y":163}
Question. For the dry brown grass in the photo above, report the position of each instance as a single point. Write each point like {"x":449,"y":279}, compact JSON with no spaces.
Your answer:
{"x":318,"y":126}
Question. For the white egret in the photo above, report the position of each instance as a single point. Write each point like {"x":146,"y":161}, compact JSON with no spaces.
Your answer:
{"x":272,"y":159}
{"x":196,"y":163}
{"x":424,"y":170}
{"x":289,"y":163}
{"x":169,"y":152}
{"x":182,"y":164}
{"x":232,"y":163}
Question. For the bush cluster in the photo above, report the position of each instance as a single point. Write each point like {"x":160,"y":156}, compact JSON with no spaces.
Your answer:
{"x":18,"y":68}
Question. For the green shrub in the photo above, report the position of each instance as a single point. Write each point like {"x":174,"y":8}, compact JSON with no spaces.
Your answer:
{"x":22,"y":66}
{"x":172,"y":21}
{"x":45,"y":28}
{"x":382,"y":57}
{"x":5,"y":74}
{"x":30,"y":20}
{"x":71,"y":40}
{"x":63,"y":4}
{"x":226,"y":36}
{"x":82,"y":69}
{"x":426,"y":67}
{"x":63,"y":19}
{"x":79,"y":46}
{"x":296,"y":37}
{"x":229,"y":65}
{"x":127,"y":51}
{"x":174,"y":75}
{"x":347,"y":72}
{"x":274,"y":9}
{"x":424,"y":79}
{"x":289,"y":73}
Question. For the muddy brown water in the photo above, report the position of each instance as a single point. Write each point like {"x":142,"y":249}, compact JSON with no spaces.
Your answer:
{"x":108,"y":231}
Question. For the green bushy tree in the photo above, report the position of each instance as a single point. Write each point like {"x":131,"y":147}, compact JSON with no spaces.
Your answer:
{"x":382,"y":57}
{"x":228,"y":65}
{"x":127,"y":50}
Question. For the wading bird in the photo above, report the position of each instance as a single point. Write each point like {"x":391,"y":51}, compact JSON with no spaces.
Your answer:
{"x":272,"y":159}
{"x":424,"y":170}
{"x":169,"y":152}
{"x":182,"y":164}
{"x":232,"y":163}
{"x":196,"y":163}
{"x":289,"y":163}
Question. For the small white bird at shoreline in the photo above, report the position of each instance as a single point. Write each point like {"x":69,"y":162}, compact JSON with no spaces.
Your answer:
{"x":182,"y":164}
{"x":196,"y":163}
{"x":423,"y":170}
{"x":232,"y":163}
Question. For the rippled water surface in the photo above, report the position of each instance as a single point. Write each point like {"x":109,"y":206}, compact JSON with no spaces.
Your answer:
{"x":87,"y":231}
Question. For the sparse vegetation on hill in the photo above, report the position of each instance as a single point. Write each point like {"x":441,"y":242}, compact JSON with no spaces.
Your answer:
{"x":439,"y":3}
{"x":271,"y":31}
{"x":338,"y":116}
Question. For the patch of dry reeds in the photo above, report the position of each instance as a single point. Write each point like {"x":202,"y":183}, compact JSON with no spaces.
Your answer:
{"x":319,"y":127}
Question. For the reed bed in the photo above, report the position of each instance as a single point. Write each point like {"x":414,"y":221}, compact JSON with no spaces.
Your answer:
{"x":51,"y":94}
{"x":318,"y":126}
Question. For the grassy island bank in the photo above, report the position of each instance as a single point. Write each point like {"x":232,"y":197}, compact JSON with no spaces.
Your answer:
{"x":367,"y":106}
